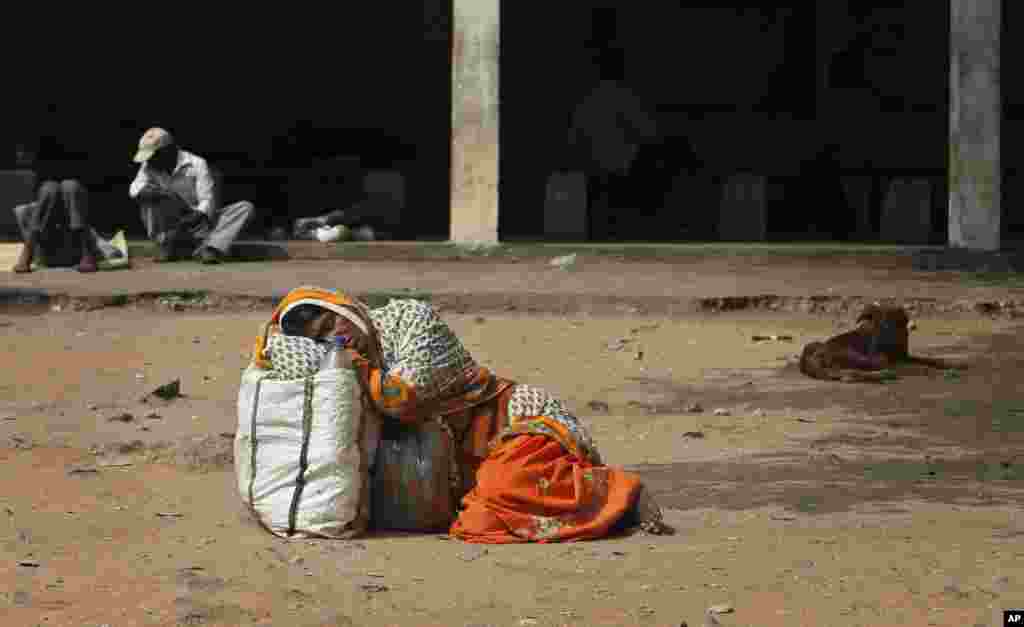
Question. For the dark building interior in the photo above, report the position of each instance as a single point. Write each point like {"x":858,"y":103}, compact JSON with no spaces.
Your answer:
{"x":267,"y":97}
{"x":292,"y":108}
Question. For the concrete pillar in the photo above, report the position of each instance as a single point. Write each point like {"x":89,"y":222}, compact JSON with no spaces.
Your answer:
{"x":975,"y":120}
{"x":474,"y":183}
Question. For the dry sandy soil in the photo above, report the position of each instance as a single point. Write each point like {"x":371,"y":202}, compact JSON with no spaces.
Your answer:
{"x":810,"y":503}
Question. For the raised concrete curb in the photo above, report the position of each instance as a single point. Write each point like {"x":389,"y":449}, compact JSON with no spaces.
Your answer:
{"x":538,"y":304}
{"x":964,"y":260}
{"x":251,"y":250}
{"x":24,"y":296}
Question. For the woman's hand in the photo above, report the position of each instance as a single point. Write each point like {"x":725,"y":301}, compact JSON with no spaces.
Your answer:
{"x":343,"y":355}
{"x":356,"y":340}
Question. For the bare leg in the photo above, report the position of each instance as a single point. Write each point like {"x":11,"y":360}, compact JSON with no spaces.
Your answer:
{"x":648,"y":515}
{"x":33,"y":219}
{"x":25,"y":217}
{"x":76,"y":202}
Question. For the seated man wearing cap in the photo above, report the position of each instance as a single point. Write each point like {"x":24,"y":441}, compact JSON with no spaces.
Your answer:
{"x":175,"y":191}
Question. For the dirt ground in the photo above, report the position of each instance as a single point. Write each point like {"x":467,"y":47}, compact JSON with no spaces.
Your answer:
{"x":800,"y":503}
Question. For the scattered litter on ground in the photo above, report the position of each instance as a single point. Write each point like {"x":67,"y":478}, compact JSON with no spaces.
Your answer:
{"x":600,"y":406}
{"x":472,"y":554}
{"x":619,"y":344}
{"x":772,"y":338}
{"x":953,"y":587}
{"x":564,"y":263}
{"x":84,"y":470}
{"x":695,"y":435}
{"x":122,"y":417}
{"x":722,"y":412}
{"x":646,"y":327}
{"x":168,"y":391}
{"x":22,"y":442}
{"x":694,"y":408}
{"x":374,"y":587}
{"x":479,"y":248}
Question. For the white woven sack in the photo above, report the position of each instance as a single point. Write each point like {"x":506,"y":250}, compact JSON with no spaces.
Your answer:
{"x":303,"y":449}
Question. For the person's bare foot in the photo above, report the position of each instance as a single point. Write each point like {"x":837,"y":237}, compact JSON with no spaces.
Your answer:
{"x":648,"y":515}
{"x":24,"y":263}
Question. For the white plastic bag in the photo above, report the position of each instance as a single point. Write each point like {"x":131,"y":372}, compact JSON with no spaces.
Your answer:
{"x":113,"y":252}
{"x":328,"y":234}
{"x":303,"y":449}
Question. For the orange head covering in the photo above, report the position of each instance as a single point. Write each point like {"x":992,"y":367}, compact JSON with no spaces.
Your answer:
{"x":333,"y":300}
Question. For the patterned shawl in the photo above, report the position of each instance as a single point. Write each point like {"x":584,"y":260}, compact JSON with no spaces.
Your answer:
{"x":332,"y":300}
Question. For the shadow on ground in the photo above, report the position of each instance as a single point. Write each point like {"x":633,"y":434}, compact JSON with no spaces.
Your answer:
{"x":823,"y":485}
{"x":946,"y":439}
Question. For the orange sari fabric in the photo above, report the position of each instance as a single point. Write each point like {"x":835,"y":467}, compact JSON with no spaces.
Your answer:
{"x":531,"y":489}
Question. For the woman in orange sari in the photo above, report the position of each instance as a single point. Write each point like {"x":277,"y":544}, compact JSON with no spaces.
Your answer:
{"x":528,"y":470}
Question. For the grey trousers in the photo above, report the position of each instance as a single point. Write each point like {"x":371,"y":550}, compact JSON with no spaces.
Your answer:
{"x":161,"y":221}
{"x":58,"y":206}
{"x":60,"y":209}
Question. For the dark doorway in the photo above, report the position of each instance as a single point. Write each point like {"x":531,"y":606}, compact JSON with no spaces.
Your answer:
{"x":818,"y":93}
{"x":369,"y":83}
{"x":678,"y":64}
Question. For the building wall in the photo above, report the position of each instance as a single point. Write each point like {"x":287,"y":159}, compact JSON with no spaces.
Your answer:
{"x":749,"y":87}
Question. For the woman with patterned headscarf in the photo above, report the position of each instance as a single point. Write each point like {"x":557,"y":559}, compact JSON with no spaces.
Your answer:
{"x":528,"y":469}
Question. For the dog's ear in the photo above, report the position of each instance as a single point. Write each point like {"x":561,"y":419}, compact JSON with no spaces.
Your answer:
{"x":870,"y":313}
{"x":896,"y":315}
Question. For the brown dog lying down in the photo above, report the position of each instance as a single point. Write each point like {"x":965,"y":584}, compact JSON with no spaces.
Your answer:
{"x":880,"y":341}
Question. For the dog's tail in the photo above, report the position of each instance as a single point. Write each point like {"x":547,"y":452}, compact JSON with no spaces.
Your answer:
{"x":932,"y":362}
{"x":810,"y":362}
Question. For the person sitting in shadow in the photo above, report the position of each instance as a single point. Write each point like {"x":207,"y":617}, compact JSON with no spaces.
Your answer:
{"x":55,"y":226}
{"x":175,"y":190}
